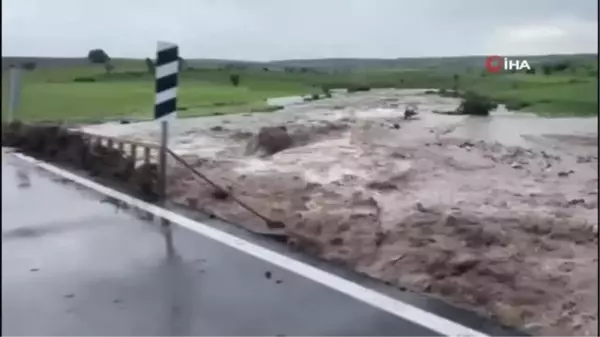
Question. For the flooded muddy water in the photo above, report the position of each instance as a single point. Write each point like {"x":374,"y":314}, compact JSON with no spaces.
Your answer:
{"x":497,"y":214}
{"x":504,"y":126}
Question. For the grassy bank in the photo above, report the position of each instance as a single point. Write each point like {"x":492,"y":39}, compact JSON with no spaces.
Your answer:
{"x":86,"y":92}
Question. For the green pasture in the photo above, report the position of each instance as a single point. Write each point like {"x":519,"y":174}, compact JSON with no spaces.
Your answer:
{"x":56,"y":93}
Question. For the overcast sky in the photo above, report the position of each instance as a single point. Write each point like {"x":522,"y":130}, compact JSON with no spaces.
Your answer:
{"x":292,"y":29}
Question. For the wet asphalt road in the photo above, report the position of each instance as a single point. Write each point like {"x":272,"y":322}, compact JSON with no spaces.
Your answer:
{"x":75,"y":265}
{"x":72,"y":265}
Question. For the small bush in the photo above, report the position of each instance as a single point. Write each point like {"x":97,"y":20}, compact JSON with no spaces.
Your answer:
{"x":315,"y":97}
{"x":234,"y":79}
{"x":356,"y":88}
{"x":475,"y":104}
{"x":84,"y":79}
{"x":28,"y":65}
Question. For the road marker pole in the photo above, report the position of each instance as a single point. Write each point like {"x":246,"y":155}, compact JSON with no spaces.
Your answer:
{"x":14,"y":92}
{"x":165,"y":111}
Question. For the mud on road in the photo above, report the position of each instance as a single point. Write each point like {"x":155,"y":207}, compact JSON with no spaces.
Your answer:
{"x":509,"y":229}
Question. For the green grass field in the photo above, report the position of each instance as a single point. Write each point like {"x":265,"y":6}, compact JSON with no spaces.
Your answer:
{"x":51,"y":93}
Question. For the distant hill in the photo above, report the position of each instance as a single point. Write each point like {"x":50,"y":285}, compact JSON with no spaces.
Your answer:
{"x":424,"y":62}
{"x":330,"y":63}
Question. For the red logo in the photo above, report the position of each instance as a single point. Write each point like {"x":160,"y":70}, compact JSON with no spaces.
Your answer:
{"x":493,"y":64}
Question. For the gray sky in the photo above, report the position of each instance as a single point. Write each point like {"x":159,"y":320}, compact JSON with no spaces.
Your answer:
{"x":292,"y":29}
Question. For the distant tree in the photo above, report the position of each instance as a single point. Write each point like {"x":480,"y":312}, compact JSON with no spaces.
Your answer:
{"x":455,"y":81}
{"x":235,"y":79}
{"x":150,"y":65}
{"x":109,"y":67}
{"x":265,"y":69}
{"x":531,"y":71}
{"x":562,"y":66}
{"x":98,"y":56}
{"x":28,"y":65}
{"x":547,"y":69}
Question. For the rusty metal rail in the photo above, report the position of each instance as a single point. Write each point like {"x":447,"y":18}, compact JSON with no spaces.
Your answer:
{"x":130,"y":147}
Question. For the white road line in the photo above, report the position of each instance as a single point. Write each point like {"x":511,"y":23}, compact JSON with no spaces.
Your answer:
{"x":378,"y":300}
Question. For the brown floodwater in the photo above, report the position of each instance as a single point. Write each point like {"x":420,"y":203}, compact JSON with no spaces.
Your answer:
{"x":497,"y":214}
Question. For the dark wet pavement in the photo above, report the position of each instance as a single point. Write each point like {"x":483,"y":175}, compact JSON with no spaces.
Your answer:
{"x":72,"y":265}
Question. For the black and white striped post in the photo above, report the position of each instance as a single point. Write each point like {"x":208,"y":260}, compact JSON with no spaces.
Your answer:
{"x":167,"y":73}
{"x":165,"y":111}
{"x":165,"y":104}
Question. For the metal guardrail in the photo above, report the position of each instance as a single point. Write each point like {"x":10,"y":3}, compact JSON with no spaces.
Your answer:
{"x":149,"y":151}
{"x":128,"y":147}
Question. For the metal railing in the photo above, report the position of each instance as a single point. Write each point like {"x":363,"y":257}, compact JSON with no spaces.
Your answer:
{"x":151,"y":154}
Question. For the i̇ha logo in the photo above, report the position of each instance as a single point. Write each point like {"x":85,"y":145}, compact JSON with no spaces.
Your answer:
{"x":495,"y":64}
